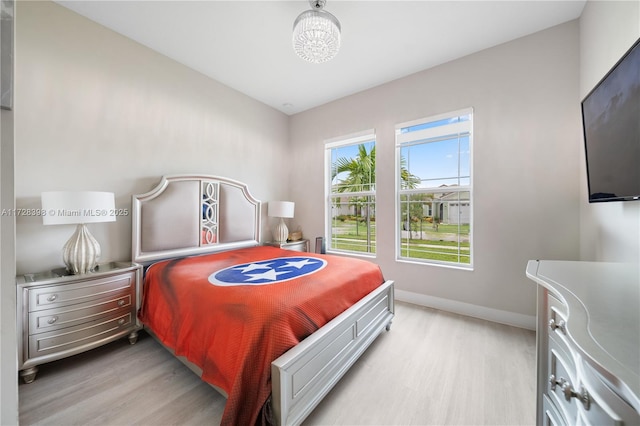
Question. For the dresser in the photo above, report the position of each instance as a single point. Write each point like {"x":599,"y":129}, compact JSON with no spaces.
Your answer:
{"x":588,"y":342}
{"x":59,"y":315}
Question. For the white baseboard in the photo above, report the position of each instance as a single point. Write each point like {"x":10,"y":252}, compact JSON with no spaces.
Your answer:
{"x":462,"y":308}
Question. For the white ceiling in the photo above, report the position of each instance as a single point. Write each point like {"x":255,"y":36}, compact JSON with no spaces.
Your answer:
{"x":247,"y":44}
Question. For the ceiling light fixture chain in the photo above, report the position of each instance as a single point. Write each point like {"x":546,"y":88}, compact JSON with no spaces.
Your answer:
{"x":316,"y":34}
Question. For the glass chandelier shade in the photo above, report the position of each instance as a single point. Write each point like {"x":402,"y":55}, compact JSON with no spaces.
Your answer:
{"x":316,"y":34}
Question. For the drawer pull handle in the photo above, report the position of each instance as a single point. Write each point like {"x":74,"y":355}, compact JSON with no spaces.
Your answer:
{"x":561,"y":325}
{"x":52,"y":320}
{"x":553,"y":382}
{"x":52,"y":298}
{"x":568,"y":391}
{"x":121,"y":321}
{"x":581,"y":396}
{"x":121,"y":302}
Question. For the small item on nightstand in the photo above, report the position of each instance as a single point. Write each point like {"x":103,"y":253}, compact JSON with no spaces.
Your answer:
{"x":295,"y":236}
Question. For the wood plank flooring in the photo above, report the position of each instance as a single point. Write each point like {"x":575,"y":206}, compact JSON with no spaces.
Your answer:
{"x":432,"y":368}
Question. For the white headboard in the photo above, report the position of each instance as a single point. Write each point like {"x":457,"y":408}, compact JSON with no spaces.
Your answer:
{"x":193,"y":214}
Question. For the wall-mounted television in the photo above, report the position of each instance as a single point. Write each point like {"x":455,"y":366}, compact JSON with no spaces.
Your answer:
{"x":611,"y":125}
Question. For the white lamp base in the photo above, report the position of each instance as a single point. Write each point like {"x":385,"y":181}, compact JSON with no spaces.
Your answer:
{"x":281,"y":232}
{"x":82,"y":252}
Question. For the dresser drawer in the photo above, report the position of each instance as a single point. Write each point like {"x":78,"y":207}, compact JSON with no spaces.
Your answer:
{"x":562,"y":372}
{"x":79,"y":338}
{"x":68,"y":316}
{"x":552,"y":416}
{"x":79,"y":292}
{"x":556,"y":314}
{"x":605,"y":407}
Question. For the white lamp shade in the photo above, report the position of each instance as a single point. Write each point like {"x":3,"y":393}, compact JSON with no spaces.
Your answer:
{"x":281,"y":208}
{"x":73,"y":207}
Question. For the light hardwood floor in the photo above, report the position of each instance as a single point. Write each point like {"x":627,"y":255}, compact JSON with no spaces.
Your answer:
{"x":432,"y":368}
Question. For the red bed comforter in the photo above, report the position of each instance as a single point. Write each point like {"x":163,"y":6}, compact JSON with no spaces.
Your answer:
{"x":233,"y":313}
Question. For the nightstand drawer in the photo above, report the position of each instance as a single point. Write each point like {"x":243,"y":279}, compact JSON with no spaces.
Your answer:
{"x":299,"y":245}
{"x":57,"y":318}
{"x":75,"y":339}
{"x":80,"y":292}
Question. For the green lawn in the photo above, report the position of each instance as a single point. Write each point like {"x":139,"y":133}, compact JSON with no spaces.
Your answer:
{"x":439,"y":245}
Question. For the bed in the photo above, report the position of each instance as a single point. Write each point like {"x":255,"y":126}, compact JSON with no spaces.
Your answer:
{"x":198,"y":236}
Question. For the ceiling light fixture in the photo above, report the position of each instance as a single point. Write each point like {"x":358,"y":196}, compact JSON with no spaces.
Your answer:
{"x":316,"y":34}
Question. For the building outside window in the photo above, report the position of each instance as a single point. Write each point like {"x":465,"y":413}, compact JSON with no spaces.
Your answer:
{"x":434,"y":190}
{"x":350,"y":176}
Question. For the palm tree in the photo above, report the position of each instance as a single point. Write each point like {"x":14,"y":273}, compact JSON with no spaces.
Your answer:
{"x":407,"y":180}
{"x":361,"y":176}
{"x":360,"y":170}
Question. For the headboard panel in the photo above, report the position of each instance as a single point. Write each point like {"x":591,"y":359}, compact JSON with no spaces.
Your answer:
{"x":193,"y":214}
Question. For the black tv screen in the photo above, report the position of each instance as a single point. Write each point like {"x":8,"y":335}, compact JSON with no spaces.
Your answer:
{"x":611,"y":125}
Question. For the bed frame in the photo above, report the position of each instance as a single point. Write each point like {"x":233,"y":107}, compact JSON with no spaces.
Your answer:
{"x":197,"y":214}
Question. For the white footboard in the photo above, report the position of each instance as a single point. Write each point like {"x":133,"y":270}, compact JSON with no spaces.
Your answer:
{"x":306,"y":373}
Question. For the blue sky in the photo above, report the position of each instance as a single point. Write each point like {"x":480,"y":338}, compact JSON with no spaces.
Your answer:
{"x":430,"y":161}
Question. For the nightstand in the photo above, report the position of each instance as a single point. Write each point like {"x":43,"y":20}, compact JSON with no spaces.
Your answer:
{"x":59,"y":315}
{"x":300,"y":245}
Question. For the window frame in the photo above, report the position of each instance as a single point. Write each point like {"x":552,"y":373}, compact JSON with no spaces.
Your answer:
{"x":428,"y":135}
{"x":338,"y":142}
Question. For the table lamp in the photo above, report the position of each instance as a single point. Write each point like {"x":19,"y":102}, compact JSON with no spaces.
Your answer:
{"x":281,"y":209}
{"x":82,"y":252}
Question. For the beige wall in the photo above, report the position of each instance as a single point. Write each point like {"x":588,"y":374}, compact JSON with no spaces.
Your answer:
{"x":97,"y":111}
{"x":525,"y":169}
{"x":608,"y":231}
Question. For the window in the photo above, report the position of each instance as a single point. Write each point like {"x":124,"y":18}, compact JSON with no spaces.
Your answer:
{"x":434,"y":191}
{"x":350,"y":170}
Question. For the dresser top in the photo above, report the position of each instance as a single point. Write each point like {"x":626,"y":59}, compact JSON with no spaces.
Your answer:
{"x":603,"y":304}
